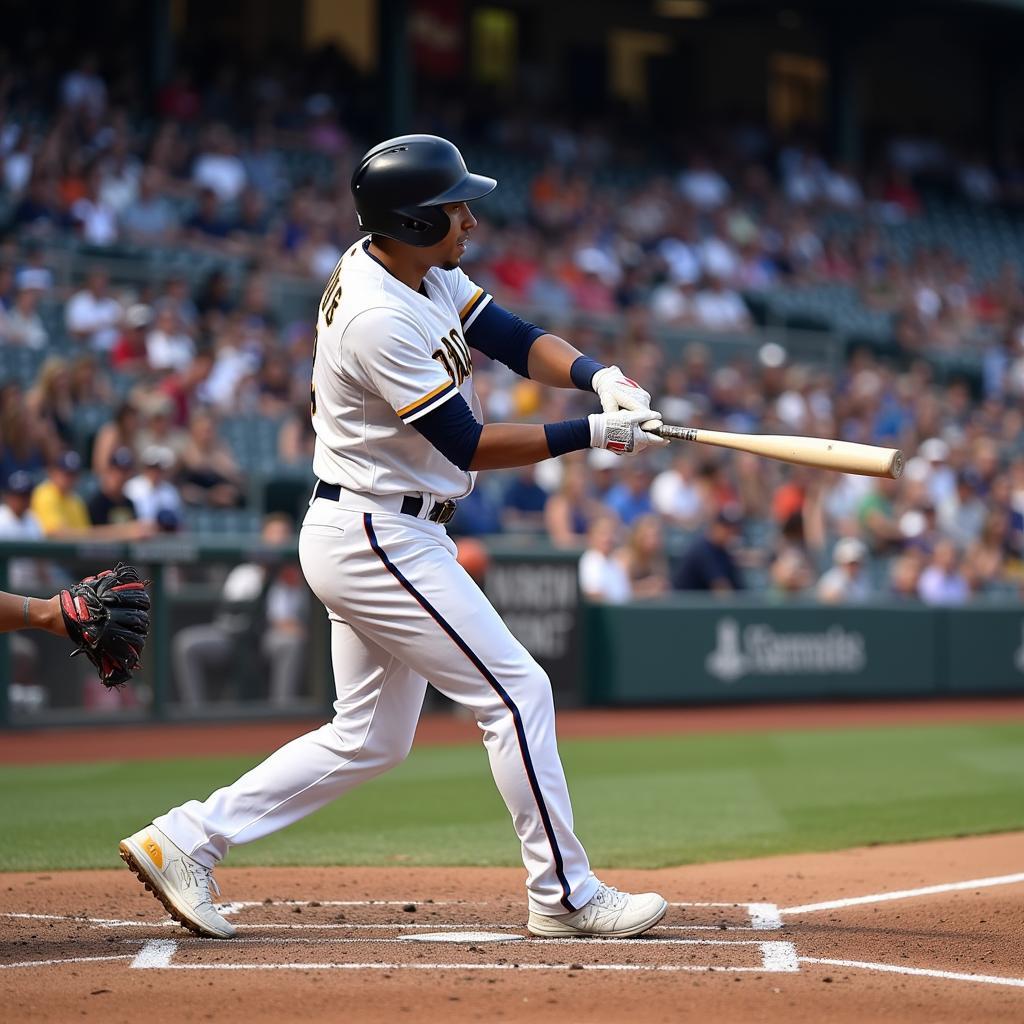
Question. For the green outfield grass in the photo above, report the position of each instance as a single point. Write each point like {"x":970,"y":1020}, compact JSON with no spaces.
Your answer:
{"x":646,"y":802}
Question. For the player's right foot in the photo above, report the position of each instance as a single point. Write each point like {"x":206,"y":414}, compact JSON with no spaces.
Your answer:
{"x":609,"y":914}
{"x":180,"y":883}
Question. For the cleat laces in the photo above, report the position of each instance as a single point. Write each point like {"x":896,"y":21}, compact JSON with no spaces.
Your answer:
{"x":201,"y":878}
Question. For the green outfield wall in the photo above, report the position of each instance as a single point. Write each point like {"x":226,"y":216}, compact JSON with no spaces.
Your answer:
{"x":688,"y":650}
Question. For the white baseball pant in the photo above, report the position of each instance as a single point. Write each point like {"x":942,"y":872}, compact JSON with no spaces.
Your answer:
{"x":403,"y":611}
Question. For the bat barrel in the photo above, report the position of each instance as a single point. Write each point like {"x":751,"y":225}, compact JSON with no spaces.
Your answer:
{"x":818,"y":452}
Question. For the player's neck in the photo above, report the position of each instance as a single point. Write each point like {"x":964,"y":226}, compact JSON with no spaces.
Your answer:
{"x":407,"y":267}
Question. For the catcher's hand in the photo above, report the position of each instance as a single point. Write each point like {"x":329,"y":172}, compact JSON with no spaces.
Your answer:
{"x":107,"y":616}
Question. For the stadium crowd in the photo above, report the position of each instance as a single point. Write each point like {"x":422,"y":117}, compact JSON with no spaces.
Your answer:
{"x":255,"y":171}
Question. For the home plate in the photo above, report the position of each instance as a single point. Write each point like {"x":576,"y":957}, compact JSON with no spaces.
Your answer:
{"x":462,"y":937}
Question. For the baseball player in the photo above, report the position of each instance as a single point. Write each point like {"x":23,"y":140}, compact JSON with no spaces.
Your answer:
{"x":399,"y":440}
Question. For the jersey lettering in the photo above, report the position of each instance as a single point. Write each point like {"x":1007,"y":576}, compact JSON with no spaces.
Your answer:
{"x":455,"y":358}
{"x":332,"y":295}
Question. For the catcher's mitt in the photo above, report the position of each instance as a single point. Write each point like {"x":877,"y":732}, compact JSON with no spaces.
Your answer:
{"x":107,"y":616}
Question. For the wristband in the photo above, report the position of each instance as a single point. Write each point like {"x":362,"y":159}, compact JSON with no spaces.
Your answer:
{"x":567,"y":436}
{"x":582,"y":372}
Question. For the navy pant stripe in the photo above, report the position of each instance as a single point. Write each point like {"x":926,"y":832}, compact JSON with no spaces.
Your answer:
{"x":496,"y":686}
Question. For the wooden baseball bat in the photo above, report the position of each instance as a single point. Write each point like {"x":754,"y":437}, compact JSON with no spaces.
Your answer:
{"x":820,"y":452}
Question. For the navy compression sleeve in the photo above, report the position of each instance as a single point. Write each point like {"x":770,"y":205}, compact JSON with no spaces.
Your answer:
{"x":503,"y":336}
{"x":455,"y":432}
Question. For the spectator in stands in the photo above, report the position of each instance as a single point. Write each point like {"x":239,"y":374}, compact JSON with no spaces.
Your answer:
{"x":708,"y":563}
{"x":83,"y":91}
{"x":249,"y":225}
{"x":39,"y":210}
{"x":702,"y":185}
{"x":218,"y":168}
{"x":19,"y":522}
{"x":17,"y":164}
{"x":93,"y":315}
{"x":129,"y":354}
{"x":845,"y":582}
{"x":603,"y":579}
{"x":33,"y":273}
{"x":24,"y":441}
{"x":118,"y":432}
{"x":630,"y":498}
{"x":22,"y":324}
{"x":155,"y":498}
{"x":941,"y":477}
{"x":264,"y":166}
{"x":150,"y":219}
{"x":159,"y":427}
{"x":209,"y":473}
{"x":988,"y":556}
{"x":208,"y":224}
{"x":50,"y":403}
{"x":274,"y":385}
{"x":904,"y":575}
{"x":110,"y":504}
{"x":569,"y":512}
{"x":643,"y":558}
{"x":215,"y":294}
{"x":55,"y":503}
{"x":877,"y":518}
{"x":297,"y":439}
{"x":88,"y":384}
{"x":522,"y":507}
{"x":94,"y":217}
{"x":942,"y":582}
{"x":262,"y":606}
{"x":717,"y":307}
{"x":168,"y":345}
{"x":16,"y":516}
{"x":790,"y":573}
{"x":675,"y":495}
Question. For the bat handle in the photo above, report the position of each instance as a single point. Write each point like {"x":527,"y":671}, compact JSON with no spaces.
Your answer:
{"x":675,"y":433}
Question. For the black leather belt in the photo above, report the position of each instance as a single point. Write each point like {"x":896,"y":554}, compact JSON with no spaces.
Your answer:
{"x":412,"y":504}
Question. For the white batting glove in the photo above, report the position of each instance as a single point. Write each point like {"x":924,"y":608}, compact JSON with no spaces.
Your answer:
{"x":622,"y":433}
{"x":618,"y":392}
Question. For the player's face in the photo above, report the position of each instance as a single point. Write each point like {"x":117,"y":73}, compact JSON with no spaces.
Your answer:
{"x":453,"y":247}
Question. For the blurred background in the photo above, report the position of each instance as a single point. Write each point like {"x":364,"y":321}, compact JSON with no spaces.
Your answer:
{"x":779,"y":217}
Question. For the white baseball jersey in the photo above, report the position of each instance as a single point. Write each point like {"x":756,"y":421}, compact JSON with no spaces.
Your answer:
{"x":386,"y":355}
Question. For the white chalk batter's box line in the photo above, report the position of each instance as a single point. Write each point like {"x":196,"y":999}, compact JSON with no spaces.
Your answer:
{"x":762,"y":917}
{"x":776,"y":958}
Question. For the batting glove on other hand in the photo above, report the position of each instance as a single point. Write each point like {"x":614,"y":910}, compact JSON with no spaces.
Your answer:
{"x":622,"y":433}
{"x":618,"y":392}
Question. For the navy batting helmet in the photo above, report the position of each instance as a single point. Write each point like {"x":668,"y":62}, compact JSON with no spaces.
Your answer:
{"x":400,"y":184}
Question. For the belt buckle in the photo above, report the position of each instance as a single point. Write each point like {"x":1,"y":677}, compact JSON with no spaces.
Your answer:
{"x":443,"y":511}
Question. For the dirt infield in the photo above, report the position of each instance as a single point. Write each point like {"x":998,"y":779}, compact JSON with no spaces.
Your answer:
{"x":147,"y":742}
{"x":845,"y":936}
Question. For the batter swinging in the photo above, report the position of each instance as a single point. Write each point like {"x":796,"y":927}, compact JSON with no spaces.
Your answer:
{"x":399,"y":440}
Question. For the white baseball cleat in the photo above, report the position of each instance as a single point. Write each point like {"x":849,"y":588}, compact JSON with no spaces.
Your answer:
{"x":180,"y":883}
{"x":609,"y":914}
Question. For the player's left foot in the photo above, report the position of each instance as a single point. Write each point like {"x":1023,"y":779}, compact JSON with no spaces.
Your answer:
{"x":609,"y":914}
{"x":180,"y":883}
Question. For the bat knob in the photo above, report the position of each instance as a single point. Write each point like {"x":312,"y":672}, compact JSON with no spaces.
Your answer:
{"x":896,"y":466}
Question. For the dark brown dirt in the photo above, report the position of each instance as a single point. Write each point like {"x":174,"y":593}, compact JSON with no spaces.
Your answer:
{"x":42,"y":746}
{"x":107,"y":914}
